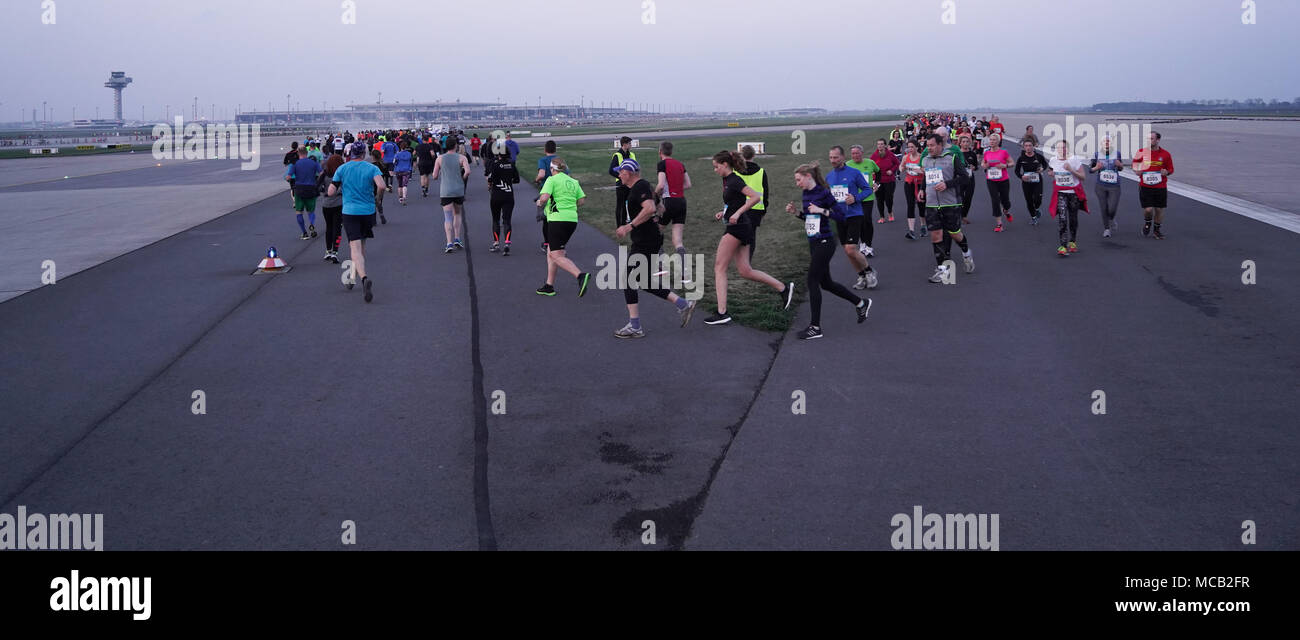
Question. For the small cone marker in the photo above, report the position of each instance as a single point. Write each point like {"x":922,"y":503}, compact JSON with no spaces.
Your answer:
{"x":272,"y":263}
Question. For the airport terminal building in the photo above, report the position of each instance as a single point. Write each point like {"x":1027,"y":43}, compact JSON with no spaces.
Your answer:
{"x":404,"y":113}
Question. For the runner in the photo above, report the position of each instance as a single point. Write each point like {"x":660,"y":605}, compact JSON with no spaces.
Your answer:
{"x":1068,"y":196}
{"x":332,"y":206}
{"x":425,"y":155}
{"x":737,"y":198}
{"x":314,"y":152}
{"x":1153,"y":165}
{"x":358,"y":181}
{"x":1029,"y":136}
{"x":888,"y":163}
{"x":755,"y":178}
{"x":561,"y":196}
{"x":895,"y":142}
{"x":1029,"y":168}
{"x":303,"y":175}
{"x":849,"y":188}
{"x":1107,"y":164}
{"x":672,"y":184}
{"x":402,"y":166}
{"x":647,"y":240}
{"x":871,"y":172}
{"x":543,"y":172}
{"x":996,"y":127}
{"x":475,"y":146}
{"x":502,"y":175}
{"x":913,"y":182}
{"x":942,"y":198}
{"x":620,"y":191}
{"x":819,"y":204}
{"x":971,"y":156}
{"x":377,"y":159}
{"x":290,"y":158}
{"x":995,"y":163}
{"x":453,"y":168}
{"x":514,"y":147}
{"x":389,"y":150}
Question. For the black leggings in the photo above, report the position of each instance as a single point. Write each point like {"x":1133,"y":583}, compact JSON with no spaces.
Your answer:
{"x":885,"y":199}
{"x":967,"y":198}
{"x":503,"y":207}
{"x":333,"y":226}
{"x":1033,"y":196}
{"x":819,"y":277}
{"x":630,"y":294}
{"x":909,"y":193}
{"x":1000,"y":192}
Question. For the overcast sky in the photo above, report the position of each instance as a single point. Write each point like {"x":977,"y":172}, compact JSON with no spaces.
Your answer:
{"x":710,"y":54}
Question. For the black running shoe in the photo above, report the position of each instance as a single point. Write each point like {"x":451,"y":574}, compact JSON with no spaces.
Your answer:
{"x":1146,"y":229}
{"x":546,"y":290}
{"x":863,"y":310}
{"x":811,"y":333}
{"x":718,"y":318}
{"x":382,"y":219}
{"x":365,"y":286}
{"x":1157,"y":234}
{"x":312,"y":228}
{"x":505,"y":251}
{"x":583,"y":280}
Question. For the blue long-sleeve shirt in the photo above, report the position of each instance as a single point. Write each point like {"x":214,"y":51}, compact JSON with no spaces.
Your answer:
{"x":821,"y":196}
{"x":849,"y":181}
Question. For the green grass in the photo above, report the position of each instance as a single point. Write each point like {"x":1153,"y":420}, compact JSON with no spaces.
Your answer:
{"x":782,"y":246}
{"x":69,"y":151}
{"x":688,"y":125}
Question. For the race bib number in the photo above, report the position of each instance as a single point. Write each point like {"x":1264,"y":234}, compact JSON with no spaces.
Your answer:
{"x":913,"y":169}
{"x":933,"y":176}
{"x":1109,"y":176}
{"x":1064,"y":179}
{"x":812,"y":225}
{"x":995,"y":173}
{"x":840,"y":192}
{"x":1030,"y":176}
{"x":1151,"y":178}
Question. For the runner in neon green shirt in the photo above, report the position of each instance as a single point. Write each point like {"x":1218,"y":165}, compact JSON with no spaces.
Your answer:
{"x":560,"y":197}
{"x":871,"y":171}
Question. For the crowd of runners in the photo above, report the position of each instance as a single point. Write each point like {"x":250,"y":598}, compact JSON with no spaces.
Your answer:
{"x":935,"y":156}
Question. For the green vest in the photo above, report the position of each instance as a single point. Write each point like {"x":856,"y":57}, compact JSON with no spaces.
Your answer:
{"x":619,"y":154}
{"x":754,"y":181}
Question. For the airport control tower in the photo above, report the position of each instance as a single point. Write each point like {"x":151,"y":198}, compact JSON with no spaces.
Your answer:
{"x":117,"y":82}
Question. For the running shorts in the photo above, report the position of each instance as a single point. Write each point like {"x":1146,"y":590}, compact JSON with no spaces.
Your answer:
{"x":850,"y":231}
{"x":743,"y":232}
{"x":456,"y":200}
{"x":403,"y":178}
{"x":943,"y":219}
{"x":1153,"y":197}
{"x":359,"y":227}
{"x":425,"y":168}
{"x":304,"y":204}
{"x":558,"y":233}
{"x":674,"y":211}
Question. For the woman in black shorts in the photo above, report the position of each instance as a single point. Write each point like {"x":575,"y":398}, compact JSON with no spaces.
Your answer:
{"x":737,"y":199}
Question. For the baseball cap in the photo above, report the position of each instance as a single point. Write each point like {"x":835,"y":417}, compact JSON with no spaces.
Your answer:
{"x":357,"y":150}
{"x":630,"y":165}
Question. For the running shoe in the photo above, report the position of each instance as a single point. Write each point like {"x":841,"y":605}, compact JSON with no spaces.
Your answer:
{"x":788,"y":294}
{"x":1033,"y":221}
{"x":997,"y":229}
{"x":811,"y":333}
{"x":304,"y":236}
{"x":1009,"y":218}
{"x":867,"y":252}
{"x":328,"y":254}
{"x":1114,"y":226}
{"x":458,"y":243}
{"x":1062,"y":251}
{"x":382,"y":219}
{"x":426,"y":192}
{"x":872,"y":280}
{"x":718,"y":318}
{"x":880,"y":221}
{"x":401,"y":201}
{"x":1157,"y":234}
{"x":312,"y":229}
{"x":546,"y":290}
{"x":861,"y":283}
{"x":687,"y":312}
{"x":493,"y":248}
{"x":349,"y":284}
{"x":505,"y":251}
{"x":449,"y":249}
{"x":1106,"y":233}
{"x":334,"y":257}
{"x":1146,"y":229}
{"x":366,"y":283}
{"x":628,"y":332}
{"x":863,"y":309}
{"x":939,"y":273}
{"x":1073,"y":248}
{"x":911,"y":235}
{"x":583,"y":280}
{"x":891,"y":217}
{"x":390,"y":188}
{"x":969,"y":262}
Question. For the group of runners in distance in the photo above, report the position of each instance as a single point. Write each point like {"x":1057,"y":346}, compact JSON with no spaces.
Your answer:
{"x":935,"y":155}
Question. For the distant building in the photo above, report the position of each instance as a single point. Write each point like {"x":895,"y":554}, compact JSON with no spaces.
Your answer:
{"x":481,"y":113}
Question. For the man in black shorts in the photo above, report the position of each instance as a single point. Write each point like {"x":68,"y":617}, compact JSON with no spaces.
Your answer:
{"x":358,"y":180}
{"x":424,"y":160}
{"x":638,"y":222}
{"x":672,"y":185}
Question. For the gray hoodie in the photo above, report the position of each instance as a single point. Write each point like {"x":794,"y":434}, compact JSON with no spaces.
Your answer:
{"x":946,"y":165}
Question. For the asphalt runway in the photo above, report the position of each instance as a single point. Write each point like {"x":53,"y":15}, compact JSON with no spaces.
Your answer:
{"x":971,"y":398}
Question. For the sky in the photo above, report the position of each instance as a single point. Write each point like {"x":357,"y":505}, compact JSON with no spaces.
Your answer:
{"x":697,"y":54}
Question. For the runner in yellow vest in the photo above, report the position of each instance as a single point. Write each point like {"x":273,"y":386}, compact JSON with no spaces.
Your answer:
{"x":755,"y":178}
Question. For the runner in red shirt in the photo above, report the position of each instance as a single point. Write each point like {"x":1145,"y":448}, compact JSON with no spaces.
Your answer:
{"x":996,"y":127}
{"x":1153,"y":165}
{"x":474,"y":144}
